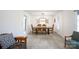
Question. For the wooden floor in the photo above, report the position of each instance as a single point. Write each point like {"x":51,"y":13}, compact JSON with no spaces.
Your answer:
{"x":45,"y":41}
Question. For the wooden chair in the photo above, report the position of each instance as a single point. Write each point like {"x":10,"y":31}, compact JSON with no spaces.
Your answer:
{"x":39,"y":25}
{"x":44,"y":28}
{"x":33,"y":29}
{"x":44,"y":25}
{"x":52,"y":28}
{"x":39,"y":28}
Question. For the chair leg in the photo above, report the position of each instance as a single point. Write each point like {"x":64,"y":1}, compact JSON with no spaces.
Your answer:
{"x":65,"y":43}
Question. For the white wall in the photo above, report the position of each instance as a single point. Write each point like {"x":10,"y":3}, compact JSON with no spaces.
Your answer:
{"x":67,"y":22}
{"x":12,"y":21}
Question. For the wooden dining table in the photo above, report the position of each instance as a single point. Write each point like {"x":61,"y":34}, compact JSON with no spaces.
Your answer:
{"x":42,"y":27}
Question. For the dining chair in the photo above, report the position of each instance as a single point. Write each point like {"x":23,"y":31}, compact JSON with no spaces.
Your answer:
{"x":44,"y":28}
{"x":44,"y":25}
{"x":39,"y":25}
{"x":33,"y":29}
{"x":52,"y":28}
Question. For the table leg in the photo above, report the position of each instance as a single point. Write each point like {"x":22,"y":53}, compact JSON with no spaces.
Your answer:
{"x":36,"y":31}
{"x":48,"y":31}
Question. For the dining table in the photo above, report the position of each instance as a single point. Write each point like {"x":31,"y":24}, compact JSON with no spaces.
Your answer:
{"x":43,"y":27}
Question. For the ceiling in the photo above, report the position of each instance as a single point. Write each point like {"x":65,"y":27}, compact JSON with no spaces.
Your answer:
{"x":42,"y":12}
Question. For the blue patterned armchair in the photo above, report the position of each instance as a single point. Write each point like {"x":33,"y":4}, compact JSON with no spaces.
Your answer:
{"x":7,"y":41}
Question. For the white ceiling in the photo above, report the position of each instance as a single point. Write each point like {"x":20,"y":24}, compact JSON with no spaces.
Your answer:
{"x":40,"y":12}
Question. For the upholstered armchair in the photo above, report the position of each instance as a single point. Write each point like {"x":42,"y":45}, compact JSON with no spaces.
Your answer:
{"x":72,"y":41}
{"x":7,"y":41}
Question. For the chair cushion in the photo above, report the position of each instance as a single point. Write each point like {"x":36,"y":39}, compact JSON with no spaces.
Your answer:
{"x":75,"y":44}
{"x":75,"y":36}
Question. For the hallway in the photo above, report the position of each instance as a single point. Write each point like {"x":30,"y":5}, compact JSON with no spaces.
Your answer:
{"x":45,"y":41}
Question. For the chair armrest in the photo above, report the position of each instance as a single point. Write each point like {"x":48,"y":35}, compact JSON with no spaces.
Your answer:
{"x":66,"y":39}
{"x":69,"y":36}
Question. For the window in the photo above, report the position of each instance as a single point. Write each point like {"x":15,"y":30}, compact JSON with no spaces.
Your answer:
{"x":24,"y":22}
{"x":42,"y":21}
{"x":78,"y":23}
{"x":57,"y":23}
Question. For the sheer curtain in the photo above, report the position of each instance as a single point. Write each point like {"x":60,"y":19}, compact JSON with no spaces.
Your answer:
{"x":78,"y":23}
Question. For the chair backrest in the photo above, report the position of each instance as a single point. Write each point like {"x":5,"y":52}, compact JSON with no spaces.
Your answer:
{"x":44,"y":25}
{"x":32,"y":26}
{"x":75,"y":36}
{"x":39,"y":25}
{"x":53,"y":26}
